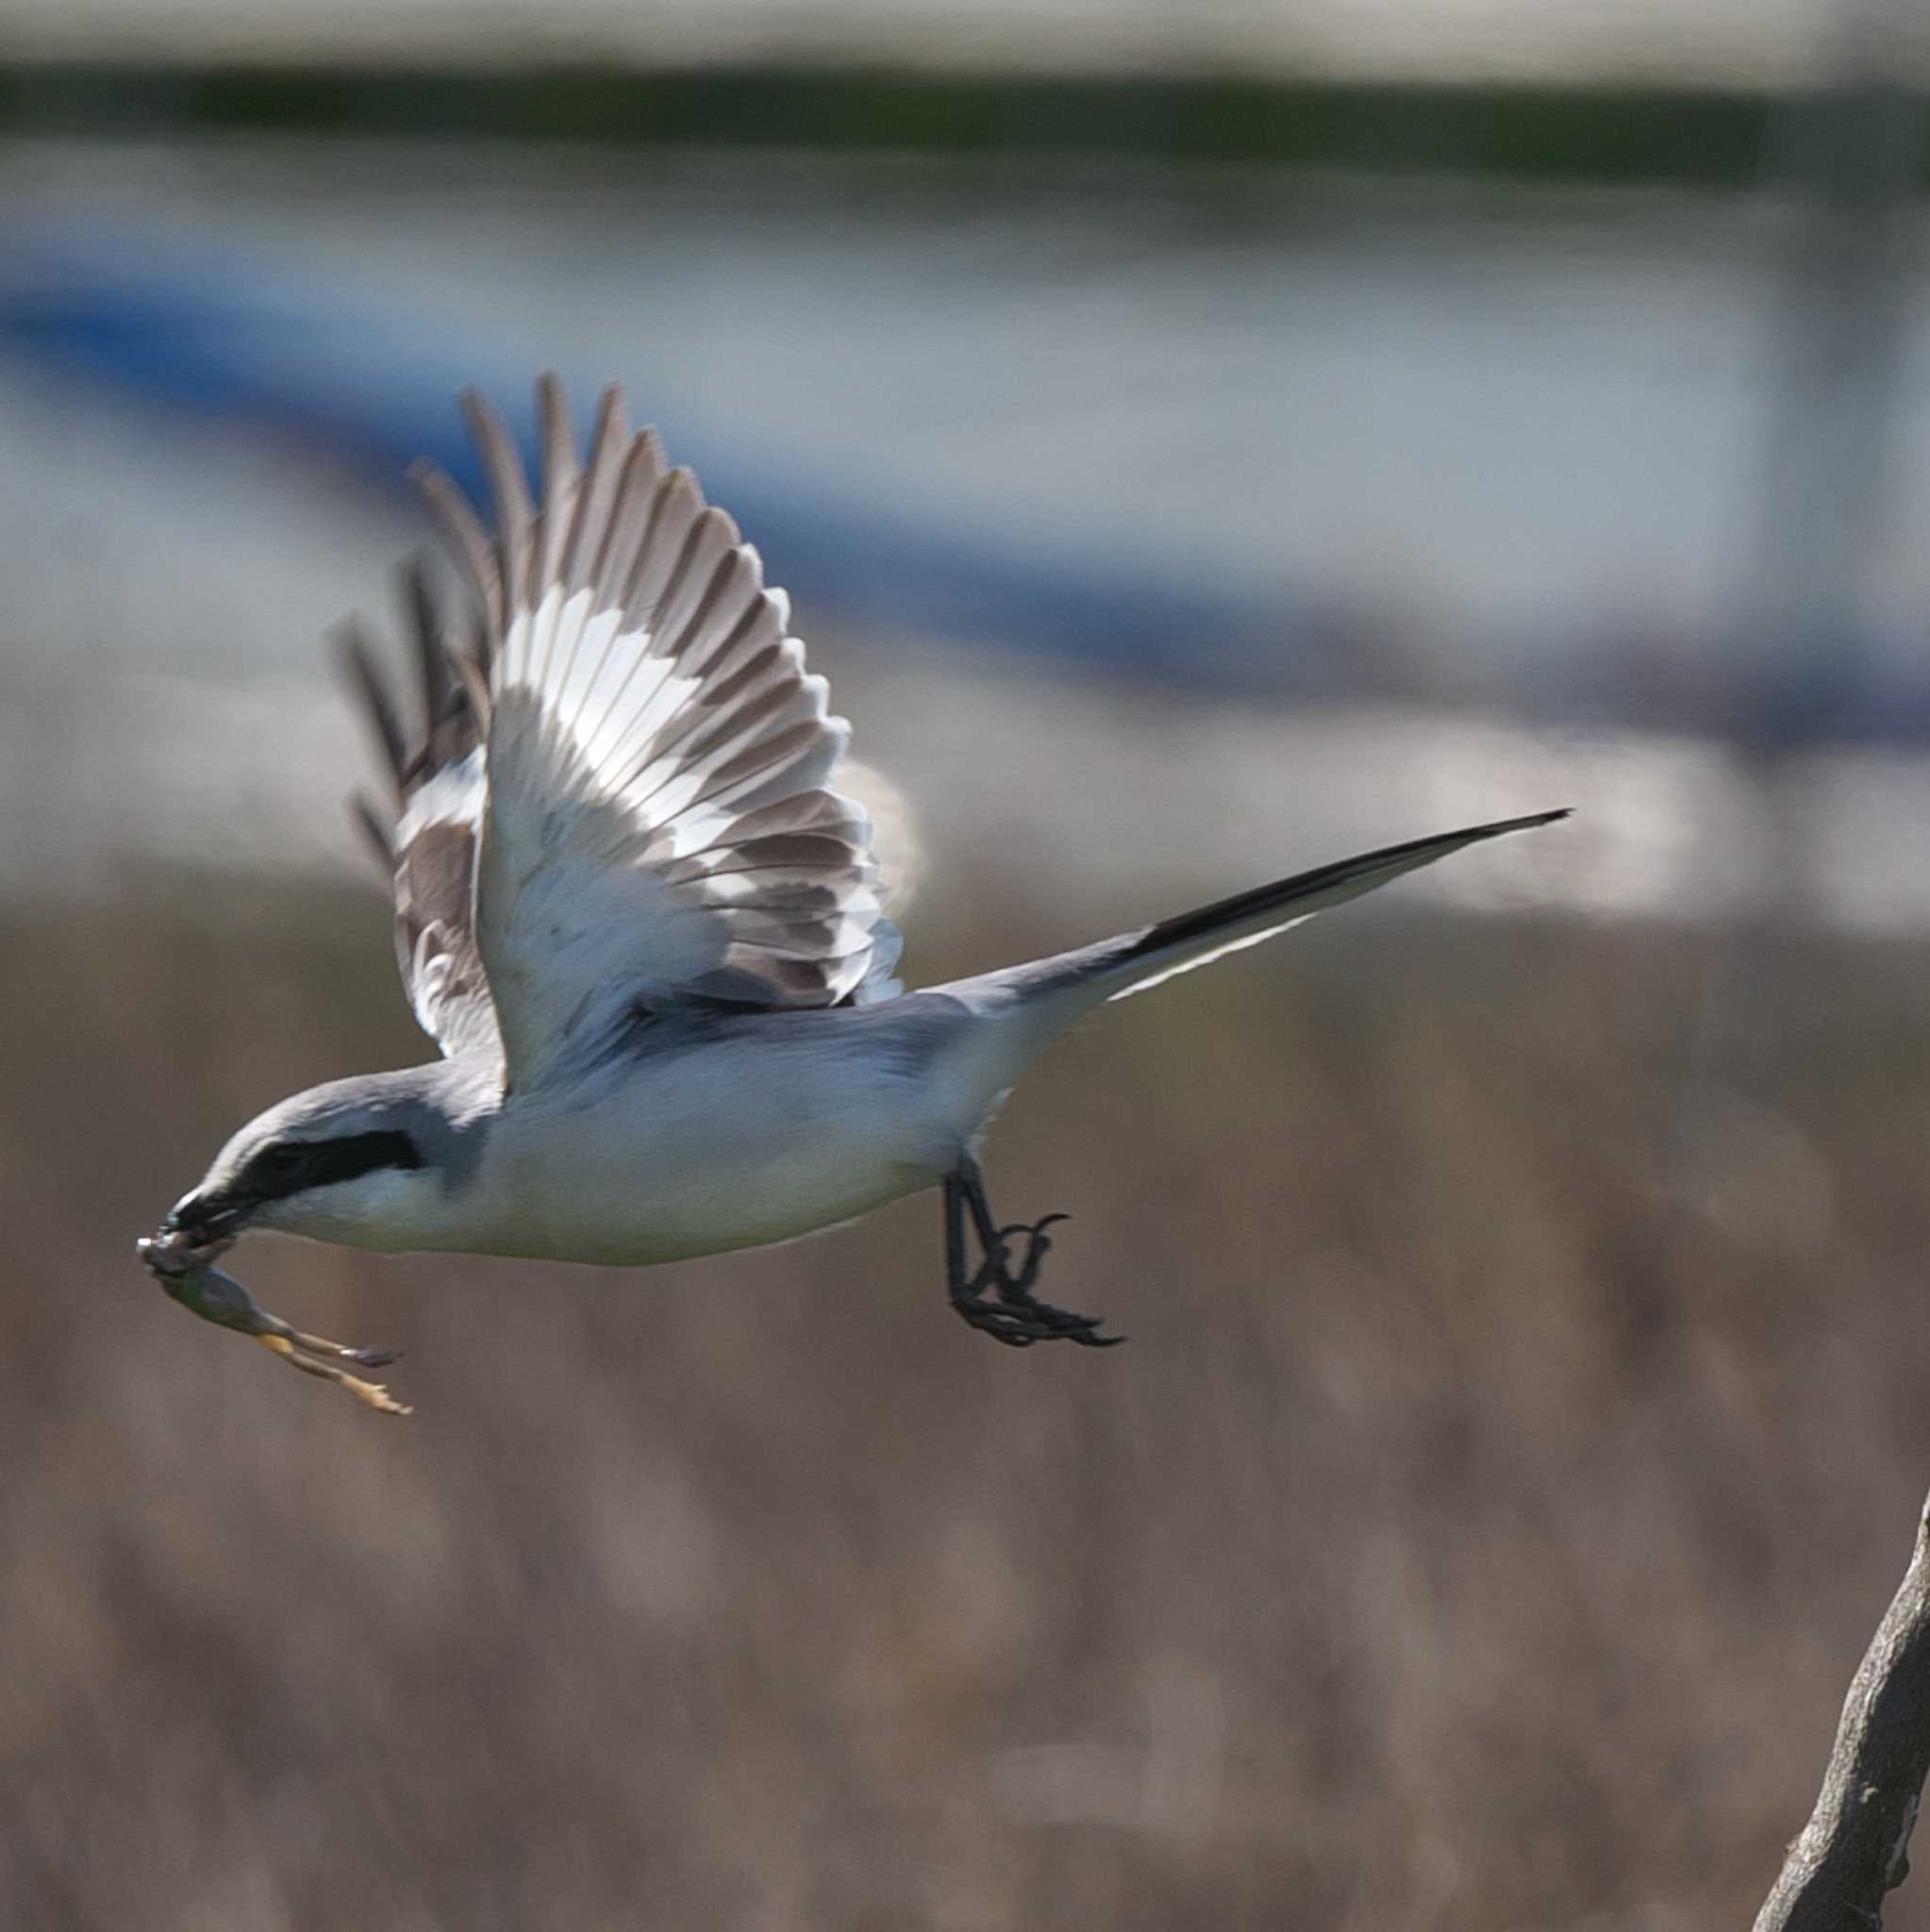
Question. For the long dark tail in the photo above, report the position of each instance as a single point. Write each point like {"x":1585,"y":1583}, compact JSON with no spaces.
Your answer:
{"x":1195,"y":939}
{"x":1034,"y":1004}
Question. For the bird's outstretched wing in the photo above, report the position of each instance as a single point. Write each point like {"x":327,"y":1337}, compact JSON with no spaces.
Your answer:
{"x":428,"y":834}
{"x":656,"y":830}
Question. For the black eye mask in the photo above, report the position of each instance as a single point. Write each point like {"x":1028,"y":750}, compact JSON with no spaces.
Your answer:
{"x":289,"y":1167}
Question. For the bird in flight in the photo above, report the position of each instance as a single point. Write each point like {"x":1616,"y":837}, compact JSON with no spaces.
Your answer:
{"x":650,"y":938}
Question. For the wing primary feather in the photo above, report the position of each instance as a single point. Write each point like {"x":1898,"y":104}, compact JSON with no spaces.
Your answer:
{"x":561,"y":480}
{"x":358,"y":666}
{"x":603,"y":468}
{"x":675,"y":506}
{"x":641,"y":494}
{"x":509,"y":492}
{"x":481,"y":645}
{"x":767,"y":756}
{"x":759,"y":627}
{"x":369,"y":822}
{"x":636,"y":503}
{"x":467,"y":538}
{"x":727,"y":676}
{"x":672,"y":494}
{"x":425,"y":634}
{"x":729,"y":596}
{"x":746,"y":706}
{"x":643,"y":740}
{"x":472,"y":677}
{"x":712,"y":547}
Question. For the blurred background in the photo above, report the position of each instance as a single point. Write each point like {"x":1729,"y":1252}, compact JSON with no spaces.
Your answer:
{"x":1200,"y":443}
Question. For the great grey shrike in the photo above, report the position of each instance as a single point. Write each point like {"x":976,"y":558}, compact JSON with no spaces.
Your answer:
{"x":650,"y":938}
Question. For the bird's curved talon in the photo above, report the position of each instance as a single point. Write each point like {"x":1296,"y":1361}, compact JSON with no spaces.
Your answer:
{"x":1019,"y":1323}
{"x":1048,"y":1323}
{"x":1016,"y":1290}
{"x":988,"y":1318}
{"x":1035,"y":1228}
{"x":997,"y":1299}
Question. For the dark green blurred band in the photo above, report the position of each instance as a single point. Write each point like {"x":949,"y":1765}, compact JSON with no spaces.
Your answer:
{"x":1607,"y":135}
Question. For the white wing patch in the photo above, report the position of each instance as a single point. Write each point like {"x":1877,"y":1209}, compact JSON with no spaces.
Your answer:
{"x":658,"y":828}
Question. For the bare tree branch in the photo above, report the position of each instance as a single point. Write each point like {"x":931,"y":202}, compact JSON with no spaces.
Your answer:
{"x":1856,"y":1846}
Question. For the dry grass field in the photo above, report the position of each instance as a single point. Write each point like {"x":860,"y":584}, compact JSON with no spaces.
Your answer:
{"x":1523,"y":1425}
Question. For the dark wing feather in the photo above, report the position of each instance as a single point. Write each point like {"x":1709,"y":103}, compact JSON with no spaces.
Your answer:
{"x":428,"y":835}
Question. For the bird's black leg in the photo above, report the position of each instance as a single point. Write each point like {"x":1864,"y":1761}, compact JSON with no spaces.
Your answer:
{"x":995,"y":1299}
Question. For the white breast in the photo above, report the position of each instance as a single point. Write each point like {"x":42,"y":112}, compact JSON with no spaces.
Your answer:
{"x":730,"y":1142}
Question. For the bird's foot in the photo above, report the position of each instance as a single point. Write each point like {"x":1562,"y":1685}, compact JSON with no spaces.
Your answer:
{"x":1001,"y":1303}
{"x":189,"y":1276}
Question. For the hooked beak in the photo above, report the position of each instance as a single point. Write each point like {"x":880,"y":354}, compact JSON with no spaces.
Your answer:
{"x":201,"y":1221}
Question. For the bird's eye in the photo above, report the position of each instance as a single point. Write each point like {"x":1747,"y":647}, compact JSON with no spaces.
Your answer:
{"x":281,"y":1160}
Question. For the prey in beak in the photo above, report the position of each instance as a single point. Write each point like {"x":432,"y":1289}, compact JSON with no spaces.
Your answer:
{"x":322,"y":1162}
{"x":181,"y":1254}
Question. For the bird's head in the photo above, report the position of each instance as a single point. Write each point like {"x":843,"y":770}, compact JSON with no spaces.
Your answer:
{"x":364,"y":1160}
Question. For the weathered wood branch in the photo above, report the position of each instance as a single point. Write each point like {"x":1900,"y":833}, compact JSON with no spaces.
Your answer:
{"x":1855,"y":1847}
